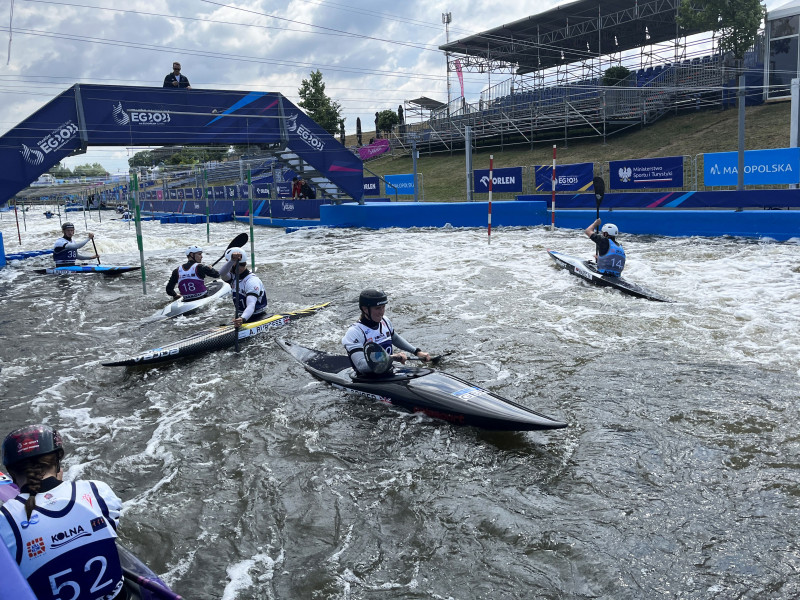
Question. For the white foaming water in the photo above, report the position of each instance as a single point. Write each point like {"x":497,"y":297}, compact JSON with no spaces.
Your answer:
{"x":681,"y":416}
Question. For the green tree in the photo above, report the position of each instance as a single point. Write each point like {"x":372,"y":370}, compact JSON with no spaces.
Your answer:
{"x":735,"y":22}
{"x":87,"y":170}
{"x":615,"y":74}
{"x":60,"y":171}
{"x":141,"y":159}
{"x":317,"y":105}
{"x":386,"y":120}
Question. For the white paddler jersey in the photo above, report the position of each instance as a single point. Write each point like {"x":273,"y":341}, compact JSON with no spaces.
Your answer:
{"x":67,"y":549}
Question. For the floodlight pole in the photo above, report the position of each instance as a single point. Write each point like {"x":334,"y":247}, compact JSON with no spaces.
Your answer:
{"x":447,"y":19}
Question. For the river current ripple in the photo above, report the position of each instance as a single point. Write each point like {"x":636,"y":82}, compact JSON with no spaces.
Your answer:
{"x":242,"y":477}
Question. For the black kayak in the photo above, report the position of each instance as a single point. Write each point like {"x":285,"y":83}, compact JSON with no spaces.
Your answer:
{"x":434,"y":393}
{"x":587,"y":270}
{"x":216,"y":290}
{"x":214,"y":338}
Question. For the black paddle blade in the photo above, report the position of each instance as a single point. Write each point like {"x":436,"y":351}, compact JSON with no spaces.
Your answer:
{"x":599,"y":189}
{"x":240,"y":240}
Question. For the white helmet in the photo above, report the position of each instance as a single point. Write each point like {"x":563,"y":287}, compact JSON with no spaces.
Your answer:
{"x":193,"y":249}
{"x":232,"y":250}
{"x":610,"y":229}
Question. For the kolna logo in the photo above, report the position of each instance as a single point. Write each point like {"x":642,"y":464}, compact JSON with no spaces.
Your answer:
{"x":625,"y":174}
{"x":120,"y":116}
{"x":310,"y":139}
{"x":62,"y":538}
{"x":53,"y":141}
{"x":31,"y":156}
{"x":497,"y":181}
{"x":139,"y":116}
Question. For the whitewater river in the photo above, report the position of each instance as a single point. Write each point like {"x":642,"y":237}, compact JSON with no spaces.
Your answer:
{"x":244,"y":478}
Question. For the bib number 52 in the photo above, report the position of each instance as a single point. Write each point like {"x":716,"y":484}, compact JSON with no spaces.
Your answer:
{"x":57,"y":587}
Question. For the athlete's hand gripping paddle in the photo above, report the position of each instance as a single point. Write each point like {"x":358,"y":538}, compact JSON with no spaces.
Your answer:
{"x":240,"y":241}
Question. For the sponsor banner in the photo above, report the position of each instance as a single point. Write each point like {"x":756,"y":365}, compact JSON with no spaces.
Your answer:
{"x":569,"y":178}
{"x":400,"y":184}
{"x":260,"y":191}
{"x":231,"y":192}
{"x":372,"y":186}
{"x":244,"y":192}
{"x":182,"y":194}
{"x":503,"y":180}
{"x":173,"y":194}
{"x":198,"y":193}
{"x":219,"y":193}
{"x":761,"y":167}
{"x":284,"y":190}
{"x":664,"y":172}
{"x":376,"y":148}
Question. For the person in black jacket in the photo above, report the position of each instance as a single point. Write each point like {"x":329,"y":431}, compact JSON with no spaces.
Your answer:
{"x":307,"y":190}
{"x":175,"y":79}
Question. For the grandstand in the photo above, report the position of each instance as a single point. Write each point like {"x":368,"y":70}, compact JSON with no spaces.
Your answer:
{"x":553,"y":66}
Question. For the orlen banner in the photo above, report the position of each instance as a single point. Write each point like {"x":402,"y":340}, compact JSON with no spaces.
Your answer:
{"x":761,"y":167}
{"x":664,"y":172}
{"x":569,"y":178}
{"x":372,"y":186}
{"x":503,"y":180}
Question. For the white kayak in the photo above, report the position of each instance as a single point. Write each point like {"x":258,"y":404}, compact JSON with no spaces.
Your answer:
{"x":216,"y":290}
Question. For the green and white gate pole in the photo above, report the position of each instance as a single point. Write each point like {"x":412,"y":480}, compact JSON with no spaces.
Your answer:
{"x":250,"y":212}
{"x":138,"y":217}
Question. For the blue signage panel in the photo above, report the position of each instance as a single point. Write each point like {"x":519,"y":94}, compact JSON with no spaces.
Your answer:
{"x":400,"y":184}
{"x":761,"y":167}
{"x":261,"y":191}
{"x":503,"y":180}
{"x":372,"y":186}
{"x":231,"y":192}
{"x":664,"y":172}
{"x":569,"y":178}
{"x":284,"y":190}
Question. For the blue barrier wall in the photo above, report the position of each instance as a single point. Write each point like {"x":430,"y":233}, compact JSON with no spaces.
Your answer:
{"x":432,"y":214}
{"x":722,"y":199}
{"x":776,"y":224}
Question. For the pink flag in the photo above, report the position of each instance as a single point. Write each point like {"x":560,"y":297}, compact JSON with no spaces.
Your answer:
{"x":460,"y":75}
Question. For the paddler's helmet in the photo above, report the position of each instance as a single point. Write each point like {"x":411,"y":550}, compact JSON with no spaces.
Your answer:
{"x":193,"y":249}
{"x":232,"y":250}
{"x":372,"y":298}
{"x":610,"y":229}
{"x":66,"y":226}
{"x":28,"y":442}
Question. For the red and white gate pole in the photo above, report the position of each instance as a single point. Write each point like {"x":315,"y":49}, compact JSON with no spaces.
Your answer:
{"x":491,"y":169}
{"x":553,"y":201}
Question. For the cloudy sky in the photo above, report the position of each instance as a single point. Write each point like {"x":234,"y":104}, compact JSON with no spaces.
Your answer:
{"x":373,"y":55}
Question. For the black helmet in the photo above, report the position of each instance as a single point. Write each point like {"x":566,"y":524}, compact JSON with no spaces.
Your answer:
{"x":372,"y":298}
{"x":30,"y":441}
{"x":67,"y":224}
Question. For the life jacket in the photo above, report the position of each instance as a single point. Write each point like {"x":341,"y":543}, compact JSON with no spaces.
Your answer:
{"x":249,"y":285}
{"x":62,"y":256}
{"x":613,"y":261}
{"x":189,"y":284}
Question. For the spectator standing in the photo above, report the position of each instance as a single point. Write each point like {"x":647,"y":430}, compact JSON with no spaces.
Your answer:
{"x":297,"y":188}
{"x":175,"y":79}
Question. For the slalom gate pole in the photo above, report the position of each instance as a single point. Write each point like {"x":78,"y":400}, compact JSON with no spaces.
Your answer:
{"x":16,"y":216}
{"x":24,"y":220}
{"x":553,"y":201}
{"x":250,"y":212}
{"x":491,"y":170}
{"x":138,"y":217}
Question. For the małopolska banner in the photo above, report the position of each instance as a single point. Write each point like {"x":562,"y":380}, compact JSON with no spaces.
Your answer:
{"x":400,"y":184}
{"x":569,"y":178}
{"x":372,"y":186}
{"x":761,"y":167}
{"x":503,"y":180}
{"x":664,"y":172}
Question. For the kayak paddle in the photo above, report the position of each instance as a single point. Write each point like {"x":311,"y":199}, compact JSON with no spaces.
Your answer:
{"x":434,"y":359}
{"x":599,"y":192}
{"x":238,"y":242}
{"x":95,"y":251}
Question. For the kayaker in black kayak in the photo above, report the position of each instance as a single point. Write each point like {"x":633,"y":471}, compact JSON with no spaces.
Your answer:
{"x":61,"y":534}
{"x":369,"y":342}
{"x":609,"y":254}
{"x":190,"y":276}
{"x":65,"y":251}
{"x":249,"y":296}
